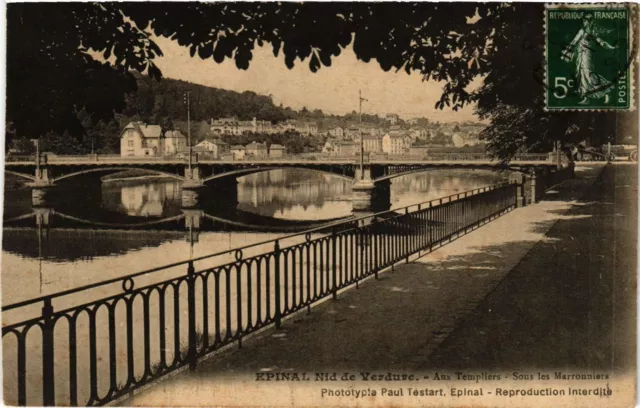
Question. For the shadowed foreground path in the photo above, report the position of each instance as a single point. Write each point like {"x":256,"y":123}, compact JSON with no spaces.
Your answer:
{"x":550,"y":286}
{"x":570,"y":303}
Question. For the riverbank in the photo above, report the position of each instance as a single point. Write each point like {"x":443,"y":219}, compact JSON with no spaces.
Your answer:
{"x":433,"y":313}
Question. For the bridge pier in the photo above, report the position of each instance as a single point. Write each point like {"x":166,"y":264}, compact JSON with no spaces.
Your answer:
{"x":368,"y":196}
{"x":43,"y":216}
{"x":43,"y":178}
{"x":39,"y":195}
{"x":192,"y":220}
{"x":222,"y":194}
{"x":192,"y":178}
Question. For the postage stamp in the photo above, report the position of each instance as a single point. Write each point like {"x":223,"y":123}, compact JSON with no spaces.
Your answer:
{"x":589,"y":57}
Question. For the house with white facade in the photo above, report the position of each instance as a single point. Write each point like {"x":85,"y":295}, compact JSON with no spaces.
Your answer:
{"x":337,"y":131}
{"x":371,"y":143}
{"x":346,"y":148}
{"x":418,"y":132}
{"x":238,"y":152}
{"x":174,"y":142}
{"x":276,"y":150}
{"x":138,"y":139}
{"x":392,"y":118}
{"x":394,"y":143}
{"x":461,"y":139}
{"x":213,"y":147}
{"x":256,"y":150}
{"x":351,"y":132}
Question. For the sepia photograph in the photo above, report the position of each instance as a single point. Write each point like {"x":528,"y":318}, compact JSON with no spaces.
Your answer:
{"x":320,"y":204}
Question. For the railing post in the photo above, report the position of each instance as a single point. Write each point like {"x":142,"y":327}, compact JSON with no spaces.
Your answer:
{"x":534,"y":192}
{"x":191,"y":287}
{"x":520,"y":198}
{"x":277,"y":313}
{"x":430,"y":225}
{"x":334,"y":266}
{"x":48,"y":385}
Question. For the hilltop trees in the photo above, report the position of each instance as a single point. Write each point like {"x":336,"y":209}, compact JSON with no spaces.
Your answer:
{"x":50,"y":48}
{"x":161,"y":102}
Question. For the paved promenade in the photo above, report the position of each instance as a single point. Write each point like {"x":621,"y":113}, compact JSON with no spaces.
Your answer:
{"x":548,"y":286}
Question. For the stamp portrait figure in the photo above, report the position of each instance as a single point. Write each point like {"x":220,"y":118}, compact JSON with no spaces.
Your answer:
{"x":590,"y":84}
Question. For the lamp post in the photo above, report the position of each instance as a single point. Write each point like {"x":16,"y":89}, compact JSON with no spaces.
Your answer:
{"x":188,"y":103}
{"x":36,"y":142}
{"x":361,"y":99}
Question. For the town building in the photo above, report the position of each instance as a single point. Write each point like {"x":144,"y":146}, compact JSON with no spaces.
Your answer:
{"x":276,"y":150}
{"x":306,"y":128}
{"x":174,"y":142}
{"x":238,"y":152}
{"x":233,"y":126}
{"x":372,"y":143}
{"x":213,"y":147}
{"x":393,"y":143}
{"x":462,"y":139}
{"x":351,"y":132}
{"x":418,"y":150}
{"x":346,"y":148}
{"x":418,"y":132}
{"x":139,"y":139}
{"x":329,"y":146}
{"x":226,"y":126}
{"x":368,"y":128}
{"x":337,"y":131}
{"x":392,"y":118}
{"x":256,"y":150}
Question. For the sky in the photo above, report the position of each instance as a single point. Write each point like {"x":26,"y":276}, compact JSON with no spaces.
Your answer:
{"x":332,"y":89}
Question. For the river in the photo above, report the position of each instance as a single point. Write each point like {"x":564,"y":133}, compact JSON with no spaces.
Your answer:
{"x":112,"y":235}
{"x":87,"y":232}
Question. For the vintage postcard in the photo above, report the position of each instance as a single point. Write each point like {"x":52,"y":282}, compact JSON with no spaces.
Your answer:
{"x":320,"y":204}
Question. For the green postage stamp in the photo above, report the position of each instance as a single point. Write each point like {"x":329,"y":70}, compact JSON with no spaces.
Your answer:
{"x":589,"y":57}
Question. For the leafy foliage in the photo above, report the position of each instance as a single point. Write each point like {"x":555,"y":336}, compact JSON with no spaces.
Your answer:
{"x":52,"y":75}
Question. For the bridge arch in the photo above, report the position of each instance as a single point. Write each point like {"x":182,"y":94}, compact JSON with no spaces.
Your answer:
{"x":22,"y":175}
{"x":253,"y":170}
{"x":120,"y":225}
{"x":116,"y":168}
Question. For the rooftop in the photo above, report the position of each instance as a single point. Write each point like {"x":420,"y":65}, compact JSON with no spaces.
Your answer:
{"x":148,"y":131}
{"x":215,"y":141}
{"x":172,"y":134}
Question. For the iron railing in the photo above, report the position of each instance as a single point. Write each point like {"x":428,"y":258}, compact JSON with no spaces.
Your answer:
{"x":295,"y":158}
{"x":463,"y":156}
{"x":68,"y":348}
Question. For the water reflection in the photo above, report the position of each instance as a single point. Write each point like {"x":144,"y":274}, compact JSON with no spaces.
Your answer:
{"x":141,"y":200}
{"x":89,"y":232}
{"x":432,"y":184}
{"x":295,"y":194}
